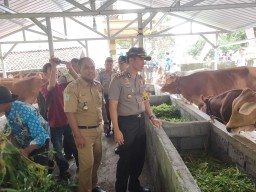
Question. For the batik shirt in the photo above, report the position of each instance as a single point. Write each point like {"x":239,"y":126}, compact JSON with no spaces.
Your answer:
{"x":27,"y":125}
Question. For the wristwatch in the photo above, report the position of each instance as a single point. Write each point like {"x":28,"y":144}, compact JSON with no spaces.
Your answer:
{"x":151,"y":116}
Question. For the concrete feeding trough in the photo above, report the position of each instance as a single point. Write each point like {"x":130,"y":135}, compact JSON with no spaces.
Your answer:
{"x":169,"y":172}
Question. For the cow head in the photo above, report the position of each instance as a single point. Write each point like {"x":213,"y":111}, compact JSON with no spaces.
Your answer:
{"x":203,"y":107}
{"x":243,"y":117}
{"x":169,"y":84}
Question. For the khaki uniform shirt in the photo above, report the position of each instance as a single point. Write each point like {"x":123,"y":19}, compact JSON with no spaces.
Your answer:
{"x":128,"y":92}
{"x":105,"y":79}
{"x":85,"y":101}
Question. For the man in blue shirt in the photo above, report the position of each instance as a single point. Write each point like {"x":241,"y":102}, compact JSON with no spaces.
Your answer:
{"x":28,"y":128}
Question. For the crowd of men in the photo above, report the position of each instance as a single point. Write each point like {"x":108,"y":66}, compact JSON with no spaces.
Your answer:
{"x":74,"y":114}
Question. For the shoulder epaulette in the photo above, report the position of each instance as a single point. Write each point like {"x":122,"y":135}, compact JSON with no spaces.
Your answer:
{"x":96,"y":81}
{"x":119,"y":75}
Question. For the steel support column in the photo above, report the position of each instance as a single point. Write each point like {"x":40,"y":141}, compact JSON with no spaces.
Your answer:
{"x":86,"y":48}
{"x":49,"y":33}
{"x":216,"y":54}
{"x":2,"y":62}
{"x":140,"y":30}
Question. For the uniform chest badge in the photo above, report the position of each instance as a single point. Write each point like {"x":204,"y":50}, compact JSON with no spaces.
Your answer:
{"x":85,"y":107}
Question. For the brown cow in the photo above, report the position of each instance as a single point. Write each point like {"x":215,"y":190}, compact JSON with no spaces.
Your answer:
{"x":243,"y":117}
{"x":208,"y":83}
{"x":27,"y":88}
{"x":220,"y":107}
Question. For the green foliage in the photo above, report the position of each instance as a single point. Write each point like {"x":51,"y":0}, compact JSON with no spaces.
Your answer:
{"x":18,"y":173}
{"x":160,"y":45}
{"x":196,"y":49}
{"x":223,"y":39}
{"x":226,"y":38}
{"x":124,"y":44}
{"x":168,"y":113}
{"x":213,"y":175}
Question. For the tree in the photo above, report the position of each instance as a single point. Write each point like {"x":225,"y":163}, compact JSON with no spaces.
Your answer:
{"x":161,"y":45}
{"x":223,"y":39}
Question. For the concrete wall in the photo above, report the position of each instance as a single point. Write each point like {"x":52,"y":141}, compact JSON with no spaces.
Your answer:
{"x":227,"y":147}
{"x":168,"y":170}
{"x":189,"y":136}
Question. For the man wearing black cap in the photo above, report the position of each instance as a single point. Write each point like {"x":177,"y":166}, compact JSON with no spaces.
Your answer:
{"x":128,"y":104}
{"x":122,"y":63}
{"x":28,"y":128}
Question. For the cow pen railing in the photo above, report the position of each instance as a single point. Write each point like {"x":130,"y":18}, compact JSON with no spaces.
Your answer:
{"x":168,"y":170}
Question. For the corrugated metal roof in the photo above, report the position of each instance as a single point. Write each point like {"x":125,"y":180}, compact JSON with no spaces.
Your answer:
{"x":30,"y":60}
{"x":226,"y":18}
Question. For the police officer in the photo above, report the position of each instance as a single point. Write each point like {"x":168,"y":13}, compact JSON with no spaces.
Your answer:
{"x":122,"y":63}
{"x":128,"y":104}
{"x":84,"y":107}
{"x":105,"y":78}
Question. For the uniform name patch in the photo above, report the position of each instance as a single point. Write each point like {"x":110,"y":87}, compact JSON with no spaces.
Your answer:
{"x":66,"y":97}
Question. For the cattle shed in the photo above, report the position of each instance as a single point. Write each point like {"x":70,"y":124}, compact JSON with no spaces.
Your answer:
{"x":165,"y":146}
{"x":20,"y":20}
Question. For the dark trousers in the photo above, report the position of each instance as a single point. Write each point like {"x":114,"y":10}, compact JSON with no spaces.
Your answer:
{"x":132,"y":152}
{"x":40,"y":155}
{"x":56,"y":138}
{"x":107,"y":111}
{"x":68,"y":149}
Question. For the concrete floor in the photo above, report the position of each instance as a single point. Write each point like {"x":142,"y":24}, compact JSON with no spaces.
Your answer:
{"x":107,"y":170}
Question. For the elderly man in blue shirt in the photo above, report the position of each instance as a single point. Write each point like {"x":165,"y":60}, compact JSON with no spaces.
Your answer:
{"x":28,"y":128}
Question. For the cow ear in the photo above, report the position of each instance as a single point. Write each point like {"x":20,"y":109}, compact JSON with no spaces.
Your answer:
{"x":247,"y":108}
{"x":169,"y":78}
{"x":203,"y":98}
{"x":168,"y":81}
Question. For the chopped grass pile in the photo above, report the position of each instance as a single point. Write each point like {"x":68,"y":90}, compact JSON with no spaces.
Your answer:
{"x":18,"y":173}
{"x":168,"y":113}
{"x":212,"y":175}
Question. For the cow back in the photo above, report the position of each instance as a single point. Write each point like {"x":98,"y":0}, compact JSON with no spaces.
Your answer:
{"x":27,"y":89}
{"x":213,"y":83}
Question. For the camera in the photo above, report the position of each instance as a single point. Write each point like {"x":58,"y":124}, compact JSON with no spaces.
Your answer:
{"x":61,"y":62}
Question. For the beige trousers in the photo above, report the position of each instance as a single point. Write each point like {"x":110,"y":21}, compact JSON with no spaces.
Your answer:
{"x":89,"y":159}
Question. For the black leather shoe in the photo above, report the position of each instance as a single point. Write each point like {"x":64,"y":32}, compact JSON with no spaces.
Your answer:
{"x":97,"y":189}
{"x":68,"y":157}
{"x":64,"y":175}
{"x":141,"y":189}
{"x":117,"y":150}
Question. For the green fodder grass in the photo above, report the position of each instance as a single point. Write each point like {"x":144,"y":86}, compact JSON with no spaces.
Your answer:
{"x":213,"y":175}
{"x":168,"y":113}
{"x":18,"y":173}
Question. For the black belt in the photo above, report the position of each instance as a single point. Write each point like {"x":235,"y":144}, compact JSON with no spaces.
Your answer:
{"x":139,"y":115}
{"x":87,"y":127}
